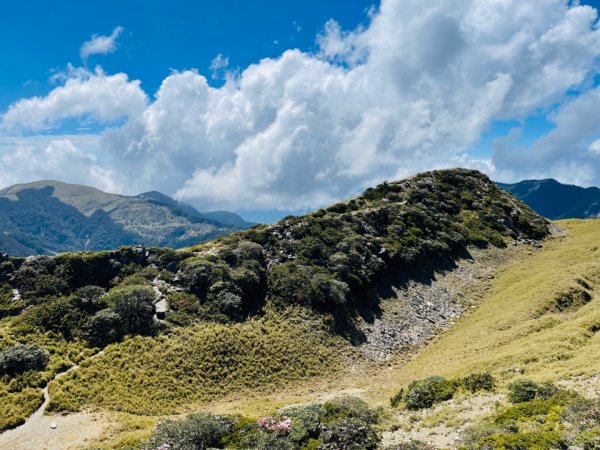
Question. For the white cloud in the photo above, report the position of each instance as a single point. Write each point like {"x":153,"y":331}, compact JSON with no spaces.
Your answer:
{"x":567,"y":152}
{"x":218,"y":64}
{"x":594,"y":147}
{"x":411,"y":91}
{"x":70,"y":158}
{"x":100,"y":45}
{"x":102,"y":97}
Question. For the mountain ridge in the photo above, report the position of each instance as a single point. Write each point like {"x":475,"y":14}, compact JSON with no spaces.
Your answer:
{"x":49,"y":216}
{"x":345,"y":290}
{"x":556,"y":200}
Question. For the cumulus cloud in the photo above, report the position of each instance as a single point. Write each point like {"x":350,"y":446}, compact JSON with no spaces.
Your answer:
{"x":102,"y":97}
{"x":44,"y":157}
{"x":100,"y":45}
{"x":568,"y":152}
{"x":413,"y":90}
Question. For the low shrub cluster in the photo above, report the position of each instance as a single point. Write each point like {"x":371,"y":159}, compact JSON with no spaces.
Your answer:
{"x":92,"y":315}
{"x":527,"y":390}
{"x":22,"y":358}
{"x":562,"y":420}
{"x":425,"y":393}
{"x":341,"y":423}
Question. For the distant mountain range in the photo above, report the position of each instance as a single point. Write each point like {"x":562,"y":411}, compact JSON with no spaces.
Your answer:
{"x":555,"y":200}
{"x":48,"y":217}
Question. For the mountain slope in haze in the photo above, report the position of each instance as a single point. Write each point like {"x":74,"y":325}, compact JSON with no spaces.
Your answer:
{"x":48,"y":217}
{"x":266,"y":308}
{"x":555,"y":200}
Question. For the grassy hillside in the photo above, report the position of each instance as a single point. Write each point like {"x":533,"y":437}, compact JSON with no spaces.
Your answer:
{"x":267,"y":309}
{"x":158,"y":376}
{"x":541,"y":319}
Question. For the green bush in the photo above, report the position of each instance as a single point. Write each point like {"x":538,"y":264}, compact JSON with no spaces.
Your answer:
{"x":397,"y":398}
{"x":135,"y":306}
{"x":306,"y":421}
{"x":527,"y":390}
{"x":348,"y":434}
{"x":349,"y":408}
{"x":22,"y":358}
{"x":425,"y":393}
{"x":89,"y":298}
{"x":478,"y":382}
{"x":198,"y":431}
{"x":103,"y":328}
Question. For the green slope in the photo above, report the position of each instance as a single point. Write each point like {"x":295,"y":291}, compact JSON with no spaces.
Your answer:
{"x":285,"y":298}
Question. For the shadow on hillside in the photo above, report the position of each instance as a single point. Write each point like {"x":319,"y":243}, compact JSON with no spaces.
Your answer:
{"x":395,"y":278}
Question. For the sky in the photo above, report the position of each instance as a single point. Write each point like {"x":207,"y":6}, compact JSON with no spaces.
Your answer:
{"x":270,"y":107}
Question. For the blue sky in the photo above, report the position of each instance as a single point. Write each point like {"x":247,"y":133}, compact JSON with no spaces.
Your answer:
{"x":158,"y":36}
{"x":269,"y":107}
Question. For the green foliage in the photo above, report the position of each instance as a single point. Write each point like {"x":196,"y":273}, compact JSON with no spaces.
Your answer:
{"x":135,"y":307}
{"x":542,"y":424}
{"x":103,"y":328}
{"x":527,"y":390}
{"x":197,"y":363}
{"x":425,"y":393}
{"x":350,"y":434}
{"x":198,"y":431}
{"x":334,"y":425}
{"x":306,"y":286}
{"x":16,"y":407}
{"x":349,"y":408}
{"x":22,"y":358}
{"x":474,"y":382}
{"x":397,"y":398}
{"x":306,"y":421}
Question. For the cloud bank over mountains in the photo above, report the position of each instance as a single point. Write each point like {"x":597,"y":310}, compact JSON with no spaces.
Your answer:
{"x":414,"y":90}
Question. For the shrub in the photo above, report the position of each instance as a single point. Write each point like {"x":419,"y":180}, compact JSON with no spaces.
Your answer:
{"x":23,"y":357}
{"x":307,"y":286}
{"x":89,"y":298}
{"x":349,"y":407}
{"x":478,"y":382}
{"x":425,"y":393}
{"x":396,"y":399}
{"x":135,"y":306}
{"x":527,"y":390}
{"x":348,"y":434}
{"x":103,"y":328}
{"x":198,"y":431}
{"x":305,"y":421}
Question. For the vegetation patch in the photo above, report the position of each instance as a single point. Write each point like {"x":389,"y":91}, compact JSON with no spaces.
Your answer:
{"x":425,"y":393}
{"x":161,"y":375}
{"x":564,"y":419}
{"x":341,"y":423}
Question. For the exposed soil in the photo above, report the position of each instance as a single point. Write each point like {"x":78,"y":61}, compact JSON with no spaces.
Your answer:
{"x":54,"y":432}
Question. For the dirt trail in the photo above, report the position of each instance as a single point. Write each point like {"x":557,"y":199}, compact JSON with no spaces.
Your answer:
{"x":55,"y":432}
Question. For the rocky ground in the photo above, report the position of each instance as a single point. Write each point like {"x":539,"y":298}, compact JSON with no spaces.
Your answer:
{"x":420,"y":309}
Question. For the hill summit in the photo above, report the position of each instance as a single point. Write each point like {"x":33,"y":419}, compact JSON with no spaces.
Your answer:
{"x":48,"y":217}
